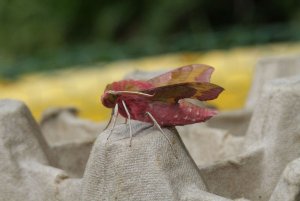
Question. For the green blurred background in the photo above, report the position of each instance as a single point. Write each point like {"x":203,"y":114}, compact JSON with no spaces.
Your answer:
{"x":41,"y":35}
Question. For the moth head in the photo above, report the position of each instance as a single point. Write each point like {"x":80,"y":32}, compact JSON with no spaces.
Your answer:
{"x":109,"y":99}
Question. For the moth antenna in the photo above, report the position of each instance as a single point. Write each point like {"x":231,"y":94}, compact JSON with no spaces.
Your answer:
{"x":129,"y":92}
{"x":129,"y":122}
{"x":158,"y":126}
{"x":115,"y":115}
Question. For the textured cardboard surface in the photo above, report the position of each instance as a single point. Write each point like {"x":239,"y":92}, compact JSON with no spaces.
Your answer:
{"x":62,"y":126}
{"x":70,"y":138}
{"x":275,"y":127}
{"x":271,"y":143}
{"x":146,"y":171}
{"x":268,"y":69}
{"x":26,"y":171}
{"x":288,"y":187}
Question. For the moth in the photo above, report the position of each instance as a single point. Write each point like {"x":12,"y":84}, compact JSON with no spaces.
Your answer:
{"x":162,"y":100}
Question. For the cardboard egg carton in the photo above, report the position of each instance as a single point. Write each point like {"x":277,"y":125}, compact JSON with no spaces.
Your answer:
{"x":250,"y":154}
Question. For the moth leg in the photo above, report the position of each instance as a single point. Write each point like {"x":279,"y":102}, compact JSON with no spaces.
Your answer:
{"x":158,"y":126}
{"x":109,"y":122}
{"x":114,"y":117}
{"x":129,"y":121}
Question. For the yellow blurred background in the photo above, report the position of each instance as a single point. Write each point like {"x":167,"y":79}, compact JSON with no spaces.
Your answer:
{"x":82,"y":87}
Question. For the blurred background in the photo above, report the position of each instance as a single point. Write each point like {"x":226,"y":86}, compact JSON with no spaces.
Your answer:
{"x":64,"y":52}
